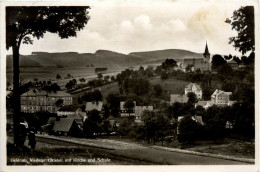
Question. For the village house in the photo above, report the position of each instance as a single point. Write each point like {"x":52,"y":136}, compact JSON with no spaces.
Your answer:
{"x":135,"y":111}
{"x":66,"y":127}
{"x":74,"y":112}
{"x":113,"y":124}
{"x":178,"y":98}
{"x":139,"y":110}
{"x":68,"y":110}
{"x":229,"y":125}
{"x":220,"y":97}
{"x":94,"y":106}
{"x":194,"y":118}
{"x":127,"y":112}
{"x":79,"y":118}
{"x":194,"y":88}
{"x":233,"y":64}
{"x":34,"y":101}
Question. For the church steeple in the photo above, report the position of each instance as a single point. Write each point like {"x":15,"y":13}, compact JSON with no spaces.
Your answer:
{"x":206,"y":54}
{"x":206,"y":50}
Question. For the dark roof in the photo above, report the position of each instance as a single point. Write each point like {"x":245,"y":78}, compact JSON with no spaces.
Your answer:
{"x":201,"y":103}
{"x":70,"y":108}
{"x":198,"y":119}
{"x":179,"y":98}
{"x":112,"y":122}
{"x":79,"y":116}
{"x":64,"y":124}
{"x":51,"y":120}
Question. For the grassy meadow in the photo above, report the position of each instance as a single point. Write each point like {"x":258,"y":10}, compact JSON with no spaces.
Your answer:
{"x":171,"y":85}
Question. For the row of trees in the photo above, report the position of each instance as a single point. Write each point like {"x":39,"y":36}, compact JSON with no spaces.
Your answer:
{"x":218,"y":60}
{"x":90,"y":96}
{"x":156,"y":125}
{"x":67,"y":77}
{"x":240,"y":118}
{"x":71,"y":84}
{"x":159,"y":124}
{"x":52,"y":87}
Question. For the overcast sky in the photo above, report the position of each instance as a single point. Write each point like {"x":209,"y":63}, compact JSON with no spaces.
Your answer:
{"x":130,"y":27}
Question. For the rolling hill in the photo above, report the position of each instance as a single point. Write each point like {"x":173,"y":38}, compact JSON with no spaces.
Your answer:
{"x":100,"y":58}
{"x":166,"y":54}
{"x":24,"y":62}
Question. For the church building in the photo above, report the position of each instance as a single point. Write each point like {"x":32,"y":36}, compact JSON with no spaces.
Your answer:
{"x":203,"y":63}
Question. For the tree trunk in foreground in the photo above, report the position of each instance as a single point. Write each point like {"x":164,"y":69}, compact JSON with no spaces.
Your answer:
{"x":16,"y":96}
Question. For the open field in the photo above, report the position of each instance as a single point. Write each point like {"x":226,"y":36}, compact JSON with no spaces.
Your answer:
{"x":108,"y":89}
{"x":49,"y":73}
{"x":237,"y":148}
{"x":171,"y":85}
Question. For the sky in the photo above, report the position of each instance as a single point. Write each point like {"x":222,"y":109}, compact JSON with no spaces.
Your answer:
{"x":132,"y":26}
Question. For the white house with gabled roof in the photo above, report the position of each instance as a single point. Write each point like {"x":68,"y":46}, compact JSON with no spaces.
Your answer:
{"x":194,"y":88}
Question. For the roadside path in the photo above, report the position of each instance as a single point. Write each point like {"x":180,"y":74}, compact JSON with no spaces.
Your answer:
{"x":156,"y":154}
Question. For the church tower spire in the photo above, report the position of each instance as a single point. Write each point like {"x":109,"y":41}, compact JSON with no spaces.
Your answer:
{"x":206,"y":54}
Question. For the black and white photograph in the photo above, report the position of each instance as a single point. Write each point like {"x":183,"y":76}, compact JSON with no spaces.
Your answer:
{"x":129,"y":84}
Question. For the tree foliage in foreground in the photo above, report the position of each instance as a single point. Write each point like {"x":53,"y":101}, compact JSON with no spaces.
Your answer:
{"x":92,"y":124}
{"x":23,"y":23}
{"x":188,"y":129}
{"x":217,"y":61}
{"x":243,"y":22}
{"x":156,"y":125}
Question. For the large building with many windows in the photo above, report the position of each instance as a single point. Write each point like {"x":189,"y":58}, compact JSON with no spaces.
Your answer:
{"x":42,"y":101}
{"x":220,"y":97}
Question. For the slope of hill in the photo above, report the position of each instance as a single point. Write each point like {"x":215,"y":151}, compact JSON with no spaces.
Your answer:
{"x":102,"y":58}
{"x":73,"y":59}
{"x":24,"y":62}
{"x":164,"y":54}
